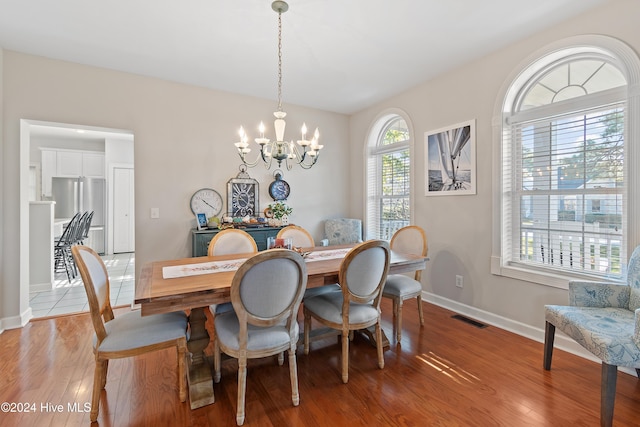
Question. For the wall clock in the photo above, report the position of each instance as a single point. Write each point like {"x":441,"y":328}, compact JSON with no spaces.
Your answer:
{"x":243,"y":195}
{"x":207,"y":201}
{"x":279,"y":188}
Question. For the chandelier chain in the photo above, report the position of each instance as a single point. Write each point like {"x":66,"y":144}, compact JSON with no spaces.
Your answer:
{"x":279,"y":61}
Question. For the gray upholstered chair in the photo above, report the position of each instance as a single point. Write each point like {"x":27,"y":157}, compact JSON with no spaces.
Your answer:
{"x":230,"y":242}
{"x":409,"y":240}
{"x":266,"y":292}
{"x":341,"y":231}
{"x":604,"y":318}
{"x":129,"y":334}
{"x":356,"y":305}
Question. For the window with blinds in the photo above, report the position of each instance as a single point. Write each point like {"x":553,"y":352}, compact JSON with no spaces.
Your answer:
{"x":563,"y":175}
{"x":389,"y":179}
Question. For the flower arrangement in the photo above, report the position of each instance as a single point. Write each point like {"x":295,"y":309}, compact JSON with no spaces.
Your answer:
{"x":280,"y":209}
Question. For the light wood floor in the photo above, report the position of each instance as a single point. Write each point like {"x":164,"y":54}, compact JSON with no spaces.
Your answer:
{"x":448,"y":373}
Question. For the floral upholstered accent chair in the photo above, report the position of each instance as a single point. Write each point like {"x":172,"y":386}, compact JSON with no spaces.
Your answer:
{"x":341,"y":231}
{"x":604,"y":318}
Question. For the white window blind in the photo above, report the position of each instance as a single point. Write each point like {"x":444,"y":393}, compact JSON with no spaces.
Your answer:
{"x":389,"y":180}
{"x":567,"y":192}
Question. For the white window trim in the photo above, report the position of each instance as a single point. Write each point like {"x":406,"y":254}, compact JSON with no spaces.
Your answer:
{"x":371,"y":141}
{"x":628,"y":62}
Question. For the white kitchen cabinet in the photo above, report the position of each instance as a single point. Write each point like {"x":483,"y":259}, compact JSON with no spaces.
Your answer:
{"x":69,"y":163}
{"x":93,"y":165}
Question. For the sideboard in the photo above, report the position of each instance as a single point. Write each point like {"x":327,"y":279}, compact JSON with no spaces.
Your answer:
{"x":200,"y":238}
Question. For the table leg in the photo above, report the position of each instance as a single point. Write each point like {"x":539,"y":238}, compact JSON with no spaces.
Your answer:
{"x":370,"y":333}
{"x":200,"y":379}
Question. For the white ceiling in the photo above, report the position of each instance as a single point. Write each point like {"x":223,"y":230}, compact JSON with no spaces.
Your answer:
{"x":338,"y":55}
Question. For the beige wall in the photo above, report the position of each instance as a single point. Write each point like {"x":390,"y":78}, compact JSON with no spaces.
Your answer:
{"x":183,"y":141}
{"x":459,"y":228}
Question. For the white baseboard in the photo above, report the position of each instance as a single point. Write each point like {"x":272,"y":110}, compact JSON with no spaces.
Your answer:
{"x":15,"y":322}
{"x":561,"y":341}
{"x":40,"y":287}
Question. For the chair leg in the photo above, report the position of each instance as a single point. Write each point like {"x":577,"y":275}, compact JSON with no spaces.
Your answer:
{"x":549,"y":335}
{"x":307,"y":330}
{"x":216,"y":361}
{"x":379,"y":345}
{"x":242,"y":388}
{"x":182,"y":377}
{"x":345,"y":356}
{"x":293,"y":375}
{"x":608,"y":394}
{"x":105,"y":372}
{"x":97,"y":388}
{"x":420,"y":313}
{"x":281,"y":358}
{"x":399,"y":321}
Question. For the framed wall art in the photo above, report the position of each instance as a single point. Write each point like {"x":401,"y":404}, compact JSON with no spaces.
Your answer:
{"x":450,"y":164}
{"x":243,"y":195}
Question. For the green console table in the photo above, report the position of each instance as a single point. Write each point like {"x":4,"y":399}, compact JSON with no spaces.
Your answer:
{"x":200,"y":238}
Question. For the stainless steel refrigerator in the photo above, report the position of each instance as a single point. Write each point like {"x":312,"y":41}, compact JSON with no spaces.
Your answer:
{"x":83,"y":194}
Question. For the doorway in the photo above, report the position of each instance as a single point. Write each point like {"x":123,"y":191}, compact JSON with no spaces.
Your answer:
{"x":117,"y":148}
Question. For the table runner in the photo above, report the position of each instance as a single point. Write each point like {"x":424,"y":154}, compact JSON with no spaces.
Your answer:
{"x":175,"y":271}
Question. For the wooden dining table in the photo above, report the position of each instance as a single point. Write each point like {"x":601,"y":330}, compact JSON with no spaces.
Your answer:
{"x":195,"y":283}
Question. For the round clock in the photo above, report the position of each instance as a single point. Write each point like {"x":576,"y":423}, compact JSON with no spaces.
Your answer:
{"x":279,"y":189}
{"x":207,"y":201}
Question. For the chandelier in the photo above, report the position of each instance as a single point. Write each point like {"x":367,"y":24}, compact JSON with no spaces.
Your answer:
{"x":304,"y":152}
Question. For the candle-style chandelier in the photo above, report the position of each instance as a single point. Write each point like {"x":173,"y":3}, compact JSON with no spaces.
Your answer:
{"x":305,"y":152}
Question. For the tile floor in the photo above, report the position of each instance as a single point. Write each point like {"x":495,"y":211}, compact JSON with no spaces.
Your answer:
{"x":67,"y":297}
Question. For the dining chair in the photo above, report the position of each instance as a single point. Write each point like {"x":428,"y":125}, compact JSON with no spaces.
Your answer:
{"x":399,"y":287}
{"x":356,"y":305}
{"x":129,"y":334}
{"x":266,"y":292}
{"x":341,"y":231}
{"x":300,"y":237}
{"x":230,"y":241}
{"x":63,"y":258}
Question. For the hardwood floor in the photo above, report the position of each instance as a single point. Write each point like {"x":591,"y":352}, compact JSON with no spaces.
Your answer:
{"x":448,"y":373}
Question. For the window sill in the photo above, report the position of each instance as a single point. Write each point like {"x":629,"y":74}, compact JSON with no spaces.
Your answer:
{"x":553,"y":279}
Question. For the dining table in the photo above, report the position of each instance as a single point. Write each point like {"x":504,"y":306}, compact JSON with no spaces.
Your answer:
{"x":193,"y":284}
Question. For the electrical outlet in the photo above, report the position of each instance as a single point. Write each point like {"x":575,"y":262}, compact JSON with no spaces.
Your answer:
{"x":155,"y":213}
{"x":459,"y":281}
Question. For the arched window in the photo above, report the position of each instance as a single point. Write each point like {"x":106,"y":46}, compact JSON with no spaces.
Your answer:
{"x":564,"y":166}
{"x":388,"y":177}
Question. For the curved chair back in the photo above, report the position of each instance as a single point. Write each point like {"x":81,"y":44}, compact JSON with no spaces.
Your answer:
{"x":410,"y":240}
{"x":267,"y":289}
{"x":341,"y":231}
{"x":363,"y":273}
{"x":300,"y":237}
{"x":96,"y":283}
{"x":232,"y":241}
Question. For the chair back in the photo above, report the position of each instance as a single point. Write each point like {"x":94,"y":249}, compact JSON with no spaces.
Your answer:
{"x":300,"y":237}
{"x":87,"y":224}
{"x":231,"y":241}
{"x":363,"y":273}
{"x":96,"y":284}
{"x":633,"y":279}
{"x":410,"y":240}
{"x":342,"y":231}
{"x":69,"y":233}
{"x":267,"y":289}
